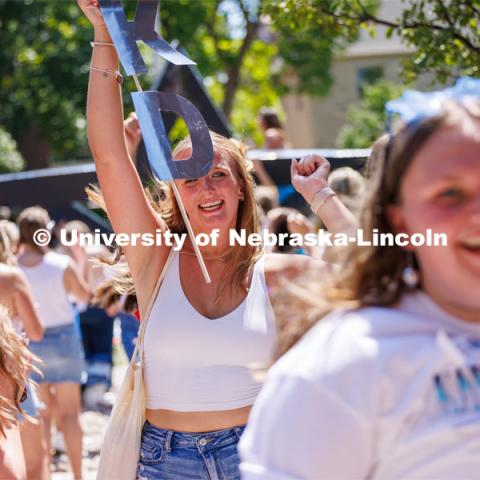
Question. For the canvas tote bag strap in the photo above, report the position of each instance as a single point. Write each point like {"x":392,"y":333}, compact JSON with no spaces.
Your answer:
{"x":139,"y":344}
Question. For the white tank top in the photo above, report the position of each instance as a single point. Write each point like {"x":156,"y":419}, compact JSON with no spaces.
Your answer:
{"x":192,"y":363}
{"x":46,"y":281}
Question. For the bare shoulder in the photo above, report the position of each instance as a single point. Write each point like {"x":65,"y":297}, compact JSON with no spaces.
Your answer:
{"x":11,"y":276}
{"x":12,"y":283}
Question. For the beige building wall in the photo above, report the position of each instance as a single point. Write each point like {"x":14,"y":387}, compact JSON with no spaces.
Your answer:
{"x":330,"y":113}
{"x":300,"y":123}
{"x":316,"y":121}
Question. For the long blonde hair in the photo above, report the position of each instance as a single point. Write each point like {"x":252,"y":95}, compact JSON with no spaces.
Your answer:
{"x":15,"y":362}
{"x":240,"y":259}
{"x":6,"y":248}
{"x":371,"y":275}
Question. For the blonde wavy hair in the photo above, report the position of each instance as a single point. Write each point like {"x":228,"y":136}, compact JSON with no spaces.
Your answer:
{"x":15,"y":362}
{"x":370,"y":276}
{"x":240,"y":259}
{"x":6,"y":248}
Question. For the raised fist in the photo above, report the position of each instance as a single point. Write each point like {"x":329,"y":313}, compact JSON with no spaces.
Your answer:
{"x":309,"y":175}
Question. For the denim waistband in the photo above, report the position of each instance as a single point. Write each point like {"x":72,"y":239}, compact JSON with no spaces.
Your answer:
{"x":198,"y":440}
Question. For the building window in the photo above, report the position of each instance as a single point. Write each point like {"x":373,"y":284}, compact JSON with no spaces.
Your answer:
{"x":367,"y":76}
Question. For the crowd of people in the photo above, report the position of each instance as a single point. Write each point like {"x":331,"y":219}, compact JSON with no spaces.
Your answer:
{"x":319,"y":362}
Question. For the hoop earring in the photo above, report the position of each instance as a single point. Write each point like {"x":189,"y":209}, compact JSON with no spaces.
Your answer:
{"x":410,"y":276}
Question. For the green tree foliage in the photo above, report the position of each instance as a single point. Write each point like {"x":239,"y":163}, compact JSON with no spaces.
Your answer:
{"x":366,"y":121}
{"x":43,"y":77}
{"x":308,"y":40}
{"x":227,"y":41}
{"x":444,"y":34}
{"x":10,"y":158}
{"x":46,"y":53}
{"x":45,"y":56}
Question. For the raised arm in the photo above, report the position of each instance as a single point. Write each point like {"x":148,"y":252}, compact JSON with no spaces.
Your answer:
{"x":309,"y":176}
{"x":128,"y":208}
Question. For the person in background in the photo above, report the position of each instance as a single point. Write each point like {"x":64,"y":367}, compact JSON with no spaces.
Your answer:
{"x":15,"y":292}
{"x":125,"y":308}
{"x":54,"y":278}
{"x":267,"y":199}
{"x":11,"y":230}
{"x":387,"y":384}
{"x":272,"y":128}
{"x":377,"y":156}
{"x":95,"y":322}
{"x":274,"y":138}
{"x":349,"y":185}
{"x":283,"y":221}
{"x":5,"y":213}
{"x":16,"y":296}
{"x":15,"y":363}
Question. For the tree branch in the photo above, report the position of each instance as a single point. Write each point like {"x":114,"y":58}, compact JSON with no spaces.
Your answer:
{"x":244,"y":10}
{"x":469,"y":5}
{"x":444,"y":10}
{"x":233,"y":71}
{"x":368,"y":17}
{"x":211,"y":27}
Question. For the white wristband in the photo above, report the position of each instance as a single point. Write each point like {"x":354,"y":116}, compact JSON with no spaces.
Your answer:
{"x":320,"y":198}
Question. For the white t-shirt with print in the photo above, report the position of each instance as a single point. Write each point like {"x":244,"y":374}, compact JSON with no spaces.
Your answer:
{"x":376,"y":393}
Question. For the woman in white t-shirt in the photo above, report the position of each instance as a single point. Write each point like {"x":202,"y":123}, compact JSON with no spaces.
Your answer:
{"x":387,"y":386}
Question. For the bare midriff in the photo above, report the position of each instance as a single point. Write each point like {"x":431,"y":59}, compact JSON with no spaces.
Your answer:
{"x":198,"y":421}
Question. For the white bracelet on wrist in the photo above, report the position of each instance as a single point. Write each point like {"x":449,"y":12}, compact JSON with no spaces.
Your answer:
{"x":102,"y":44}
{"x":320,"y":198}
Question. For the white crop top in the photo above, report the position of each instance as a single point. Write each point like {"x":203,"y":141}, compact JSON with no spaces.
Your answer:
{"x":192,"y":363}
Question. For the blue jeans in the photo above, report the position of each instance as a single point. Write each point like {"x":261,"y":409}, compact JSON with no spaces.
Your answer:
{"x":170,"y":455}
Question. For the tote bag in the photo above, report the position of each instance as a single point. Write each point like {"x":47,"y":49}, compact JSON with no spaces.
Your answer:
{"x":120,"y":451}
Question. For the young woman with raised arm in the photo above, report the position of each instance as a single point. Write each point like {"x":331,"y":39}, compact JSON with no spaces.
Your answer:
{"x":202,"y":340}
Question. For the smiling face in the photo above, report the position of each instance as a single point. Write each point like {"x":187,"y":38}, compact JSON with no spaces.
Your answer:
{"x":441,"y":191}
{"x":212,"y":201}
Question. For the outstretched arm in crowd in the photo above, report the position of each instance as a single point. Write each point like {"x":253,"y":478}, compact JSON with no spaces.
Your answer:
{"x":309,"y":177}
{"x":127,"y":205}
